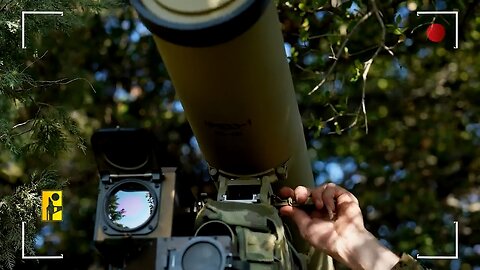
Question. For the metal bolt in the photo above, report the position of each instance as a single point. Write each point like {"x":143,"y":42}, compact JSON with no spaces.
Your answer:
{"x":212,"y":171}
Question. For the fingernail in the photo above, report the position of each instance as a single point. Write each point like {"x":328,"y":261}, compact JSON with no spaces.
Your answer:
{"x":330,"y":212}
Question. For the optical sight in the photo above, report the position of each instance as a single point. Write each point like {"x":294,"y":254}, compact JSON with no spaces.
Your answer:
{"x":135,"y":200}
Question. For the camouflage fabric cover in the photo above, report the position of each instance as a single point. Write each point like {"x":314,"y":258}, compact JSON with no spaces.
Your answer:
{"x":254,"y":216}
{"x":261,"y":240}
{"x":260,"y":235}
{"x":408,"y":263}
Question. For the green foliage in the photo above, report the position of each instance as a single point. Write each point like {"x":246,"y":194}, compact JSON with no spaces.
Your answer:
{"x":23,"y":206}
{"x":49,"y":133}
{"x":417,"y":167}
{"x":30,"y":127}
{"x":114,"y":214}
{"x":49,"y":126}
{"x":415,"y":171}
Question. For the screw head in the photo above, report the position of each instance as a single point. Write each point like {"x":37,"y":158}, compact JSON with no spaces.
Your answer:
{"x":212,"y":171}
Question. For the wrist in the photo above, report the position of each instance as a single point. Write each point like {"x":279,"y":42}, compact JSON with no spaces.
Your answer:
{"x":364,"y":251}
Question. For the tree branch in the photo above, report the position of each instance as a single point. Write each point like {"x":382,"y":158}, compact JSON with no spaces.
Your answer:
{"x":368,"y":63}
{"x":340,"y":52}
{"x":5,"y":6}
{"x":36,"y":60}
{"x":366,"y":68}
{"x":66,"y":81}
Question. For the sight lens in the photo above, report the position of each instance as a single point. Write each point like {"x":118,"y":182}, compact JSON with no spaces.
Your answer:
{"x":201,"y":256}
{"x":130,"y":205}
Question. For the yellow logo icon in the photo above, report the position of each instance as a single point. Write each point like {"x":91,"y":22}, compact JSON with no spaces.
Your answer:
{"x":52,"y":205}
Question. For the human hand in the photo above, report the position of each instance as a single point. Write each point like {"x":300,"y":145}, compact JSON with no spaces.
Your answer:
{"x":336,"y":227}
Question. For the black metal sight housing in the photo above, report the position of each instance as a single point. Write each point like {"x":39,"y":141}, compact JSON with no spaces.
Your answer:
{"x":133,"y":225}
{"x":135,"y":199}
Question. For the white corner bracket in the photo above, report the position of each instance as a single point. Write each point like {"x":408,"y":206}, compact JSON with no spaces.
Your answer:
{"x":34,"y":257}
{"x":34,"y":13}
{"x":455,"y":257}
{"x":454,"y":12}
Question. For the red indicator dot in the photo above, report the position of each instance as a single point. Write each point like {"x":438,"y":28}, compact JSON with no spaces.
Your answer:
{"x":435,"y":32}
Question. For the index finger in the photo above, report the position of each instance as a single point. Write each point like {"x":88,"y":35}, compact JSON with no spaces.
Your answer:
{"x":302,"y":193}
{"x":286,"y":192}
{"x":329,"y":192}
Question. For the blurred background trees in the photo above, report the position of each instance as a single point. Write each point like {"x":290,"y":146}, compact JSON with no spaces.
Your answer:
{"x":387,"y":113}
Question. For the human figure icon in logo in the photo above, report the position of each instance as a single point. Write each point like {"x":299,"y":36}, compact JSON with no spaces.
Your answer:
{"x":52,"y":209}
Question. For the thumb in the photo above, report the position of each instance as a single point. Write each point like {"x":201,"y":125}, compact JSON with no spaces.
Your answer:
{"x":301,"y":218}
